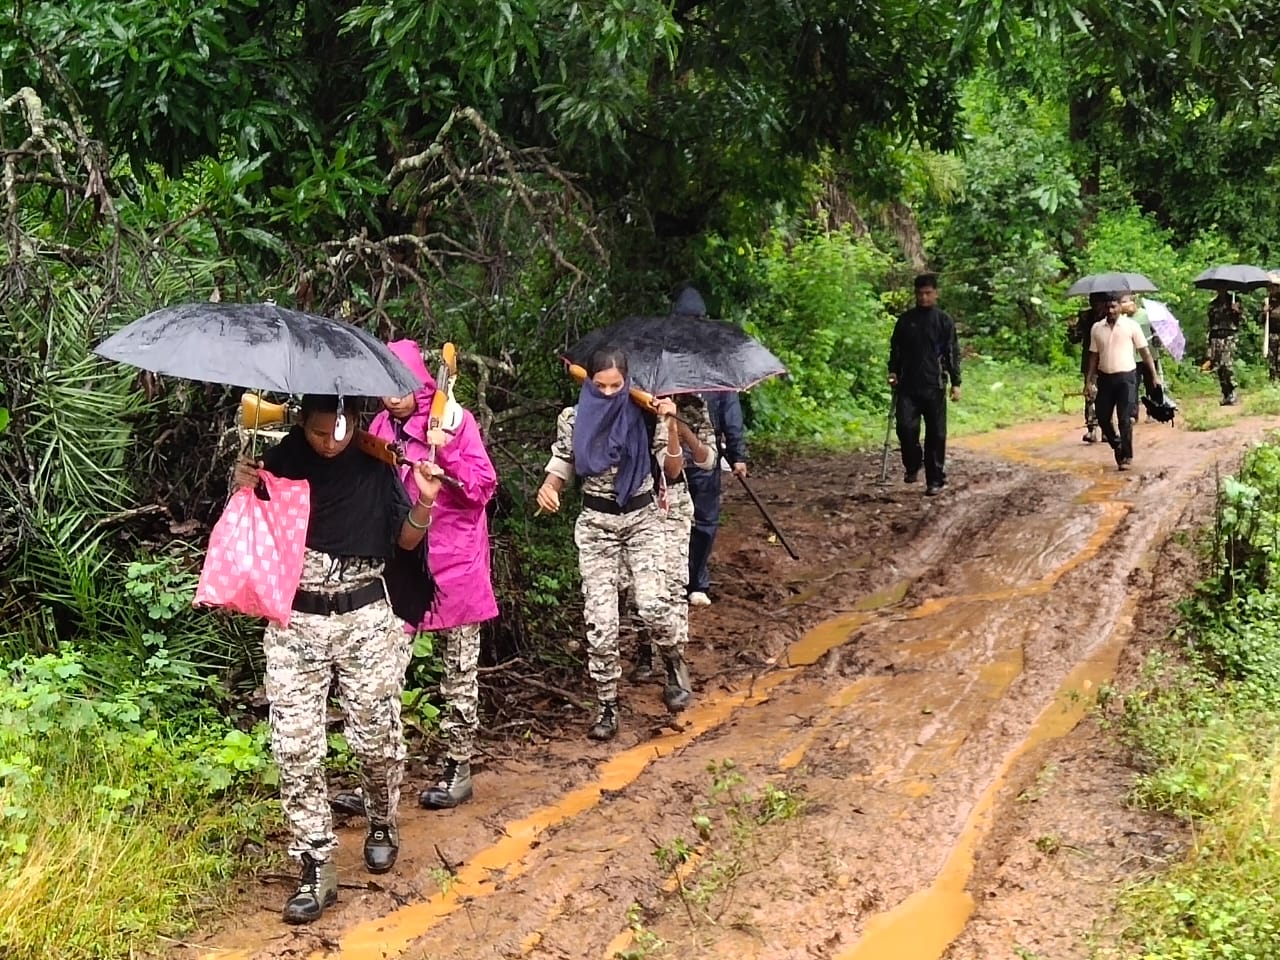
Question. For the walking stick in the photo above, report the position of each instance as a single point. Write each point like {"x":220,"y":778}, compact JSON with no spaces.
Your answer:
{"x":888,"y":430}
{"x":765,"y":513}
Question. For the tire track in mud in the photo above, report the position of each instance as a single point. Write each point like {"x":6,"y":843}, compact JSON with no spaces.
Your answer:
{"x":963,"y":631}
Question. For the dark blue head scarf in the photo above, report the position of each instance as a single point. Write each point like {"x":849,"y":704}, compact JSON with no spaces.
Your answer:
{"x":611,"y":432}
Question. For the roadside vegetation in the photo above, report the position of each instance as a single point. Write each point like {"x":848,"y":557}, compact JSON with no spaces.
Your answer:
{"x":508,"y":176}
{"x":1205,"y":722}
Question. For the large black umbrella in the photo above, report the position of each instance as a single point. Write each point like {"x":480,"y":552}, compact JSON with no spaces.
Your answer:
{"x":262,"y":346}
{"x":1233,"y":276}
{"x":683,"y":354}
{"x":1111,"y":283}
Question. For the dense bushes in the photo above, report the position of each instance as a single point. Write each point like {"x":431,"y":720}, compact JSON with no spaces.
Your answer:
{"x":1206,"y":726}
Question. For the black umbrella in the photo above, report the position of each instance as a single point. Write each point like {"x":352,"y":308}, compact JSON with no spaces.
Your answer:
{"x":262,"y":346}
{"x":1232,"y":276}
{"x":1111,"y":283}
{"x":683,"y":354}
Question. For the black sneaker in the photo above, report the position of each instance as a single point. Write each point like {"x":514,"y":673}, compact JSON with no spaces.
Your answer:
{"x":911,"y":476}
{"x":317,"y":890}
{"x":933,"y":489}
{"x":1230,"y":400}
{"x":381,"y":846}
{"x":453,"y":787}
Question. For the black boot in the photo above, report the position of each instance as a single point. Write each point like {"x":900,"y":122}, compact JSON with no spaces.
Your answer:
{"x":381,"y":845}
{"x":349,"y":803}
{"x":606,"y":726}
{"x":317,"y":889}
{"x":453,"y":787}
{"x":643,"y":669}
{"x":677,"y":691}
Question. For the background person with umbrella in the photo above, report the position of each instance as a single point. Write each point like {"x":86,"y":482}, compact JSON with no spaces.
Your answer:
{"x":1111,"y":377}
{"x":923,"y":354}
{"x":1079,"y":333}
{"x":1099,"y":287}
{"x":724,"y":411}
{"x":1225,"y":314}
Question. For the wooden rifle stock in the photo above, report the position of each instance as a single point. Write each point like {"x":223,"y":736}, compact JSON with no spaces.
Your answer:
{"x":259,"y":414}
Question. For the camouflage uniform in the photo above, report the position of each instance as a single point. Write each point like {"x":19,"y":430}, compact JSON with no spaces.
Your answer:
{"x":460,"y":688}
{"x":1273,"y":334}
{"x":679,"y":523}
{"x":369,"y":651}
{"x":1080,"y":334}
{"x":606,"y":543}
{"x":1224,"y":325}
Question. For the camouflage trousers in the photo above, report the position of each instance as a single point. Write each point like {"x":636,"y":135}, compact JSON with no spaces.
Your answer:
{"x":606,"y":544}
{"x":460,"y":687}
{"x":368,"y":652}
{"x":1222,"y":352}
{"x":676,"y":527}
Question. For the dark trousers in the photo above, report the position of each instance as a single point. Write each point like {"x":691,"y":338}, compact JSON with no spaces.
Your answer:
{"x":931,"y":406}
{"x":704,"y":487}
{"x":1117,"y":394}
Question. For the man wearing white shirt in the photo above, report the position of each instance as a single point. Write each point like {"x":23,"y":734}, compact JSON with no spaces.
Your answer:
{"x":1111,"y":376}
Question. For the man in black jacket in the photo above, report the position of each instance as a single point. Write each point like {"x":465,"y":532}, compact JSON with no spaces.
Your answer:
{"x":923,"y":354}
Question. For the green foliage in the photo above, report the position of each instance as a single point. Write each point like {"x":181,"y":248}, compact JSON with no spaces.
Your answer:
{"x":1207,"y":729}
{"x":817,"y":304}
{"x":94,"y":783}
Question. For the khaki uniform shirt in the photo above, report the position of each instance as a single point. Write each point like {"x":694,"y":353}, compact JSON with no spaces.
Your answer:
{"x":1116,"y":345}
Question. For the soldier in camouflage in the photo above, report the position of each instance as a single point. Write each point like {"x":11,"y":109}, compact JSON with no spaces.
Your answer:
{"x":1080,"y":331}
{"x":611,"y":444}
{"x":1270,"y":320}
{"x":698,"y":442}
{"x":343,"y":627}
{"x":1224,"y":327}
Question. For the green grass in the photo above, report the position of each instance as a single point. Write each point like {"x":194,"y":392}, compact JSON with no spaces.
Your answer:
{"x":115,"y":826}
{"x":1204,"y":721}
{"x":104,"y":877}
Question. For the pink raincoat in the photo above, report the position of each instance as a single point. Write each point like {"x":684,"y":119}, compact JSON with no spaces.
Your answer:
{"x":458,"y":541}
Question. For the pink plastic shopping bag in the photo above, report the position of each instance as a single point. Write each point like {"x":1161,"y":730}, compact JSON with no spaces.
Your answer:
{"x":254,"y":561}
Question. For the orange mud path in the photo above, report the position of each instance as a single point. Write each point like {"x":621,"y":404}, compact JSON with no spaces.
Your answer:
{"x":896,"y":676}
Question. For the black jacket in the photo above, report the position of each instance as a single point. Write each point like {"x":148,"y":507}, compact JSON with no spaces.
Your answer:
{"x":924,"y":350}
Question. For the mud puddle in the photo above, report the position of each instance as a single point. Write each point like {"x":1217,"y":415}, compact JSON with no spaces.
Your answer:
{"x":975,"y":629}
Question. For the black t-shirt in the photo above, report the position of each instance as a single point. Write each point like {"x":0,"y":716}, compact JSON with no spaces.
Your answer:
{"x":924,"y":350}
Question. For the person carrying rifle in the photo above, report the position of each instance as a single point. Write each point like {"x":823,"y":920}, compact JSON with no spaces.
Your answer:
{"x":343,"y":626}
{"x":608,"y":441}
{"x":457,"y":557}
{"x":923,"y":354}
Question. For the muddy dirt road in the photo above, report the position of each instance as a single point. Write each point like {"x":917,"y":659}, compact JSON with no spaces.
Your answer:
{"x":867,"y":721}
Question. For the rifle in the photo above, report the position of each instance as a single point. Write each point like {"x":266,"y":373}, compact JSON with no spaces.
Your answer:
{"x":258,"y":415}
{"x":445,"y":376}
